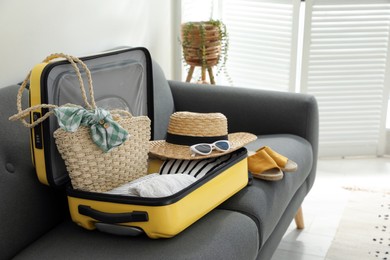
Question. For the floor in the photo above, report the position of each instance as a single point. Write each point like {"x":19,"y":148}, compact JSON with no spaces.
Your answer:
{"x":323,"y":207}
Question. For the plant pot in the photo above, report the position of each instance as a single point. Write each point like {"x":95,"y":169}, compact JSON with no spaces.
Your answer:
{"x":201,"y":42}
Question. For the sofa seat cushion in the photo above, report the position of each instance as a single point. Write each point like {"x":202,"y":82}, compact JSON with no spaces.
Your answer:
{"x":220,"y":234}
{"x":266,"y":201}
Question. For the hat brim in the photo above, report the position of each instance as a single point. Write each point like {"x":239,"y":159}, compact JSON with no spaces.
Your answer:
{"x":165,"y":150}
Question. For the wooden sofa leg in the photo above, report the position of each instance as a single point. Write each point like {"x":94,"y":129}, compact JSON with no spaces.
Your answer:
{"x":299,"y":219}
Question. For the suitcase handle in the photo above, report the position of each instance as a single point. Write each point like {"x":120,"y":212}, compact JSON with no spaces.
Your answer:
{"x":112,"y":218}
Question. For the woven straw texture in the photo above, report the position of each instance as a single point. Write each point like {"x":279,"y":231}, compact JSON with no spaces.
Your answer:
{"x":197,"y":125}
{"x":194,"y":42}
{"x":91,"y":169}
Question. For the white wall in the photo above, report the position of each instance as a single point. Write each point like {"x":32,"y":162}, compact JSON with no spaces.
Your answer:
{"x":31,"y":30}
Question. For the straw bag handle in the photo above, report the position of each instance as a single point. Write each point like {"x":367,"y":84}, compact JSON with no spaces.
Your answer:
{"x":22,"y":114}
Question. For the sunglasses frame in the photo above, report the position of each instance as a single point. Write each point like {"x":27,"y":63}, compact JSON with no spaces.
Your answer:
{"x":212,"y":147}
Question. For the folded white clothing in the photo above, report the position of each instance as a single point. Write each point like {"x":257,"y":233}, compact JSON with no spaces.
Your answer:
{"x":154,"y":185}
{"x":124,"y":188}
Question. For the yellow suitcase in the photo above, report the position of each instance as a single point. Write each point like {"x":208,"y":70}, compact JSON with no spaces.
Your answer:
{"x":131,"y":68}
{"x":159,"y":217}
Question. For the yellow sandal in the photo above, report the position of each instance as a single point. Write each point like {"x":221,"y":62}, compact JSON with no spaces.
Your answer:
{"x":283,"y":162}
{"x":262,"y":166}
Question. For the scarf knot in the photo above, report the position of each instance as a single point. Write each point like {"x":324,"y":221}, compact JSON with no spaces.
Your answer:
{"x":105,"y":132}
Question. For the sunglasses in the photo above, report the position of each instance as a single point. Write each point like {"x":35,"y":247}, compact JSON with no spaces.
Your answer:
{"x":206,"y":149}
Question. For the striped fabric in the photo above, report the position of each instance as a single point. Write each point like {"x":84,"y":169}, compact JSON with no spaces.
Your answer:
{"x":195,"y":168}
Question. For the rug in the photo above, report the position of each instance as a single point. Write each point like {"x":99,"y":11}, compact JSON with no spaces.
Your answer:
{"x":364,"y":229}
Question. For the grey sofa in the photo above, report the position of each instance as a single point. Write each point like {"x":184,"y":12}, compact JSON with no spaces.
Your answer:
{"x":34,"y":221}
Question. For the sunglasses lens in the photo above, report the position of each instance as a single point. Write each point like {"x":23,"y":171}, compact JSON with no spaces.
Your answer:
{"x":222,"y":145}
{"x":203,"y":148}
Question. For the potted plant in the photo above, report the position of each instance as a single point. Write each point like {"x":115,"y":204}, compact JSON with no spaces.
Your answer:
{"x":205,"y":44}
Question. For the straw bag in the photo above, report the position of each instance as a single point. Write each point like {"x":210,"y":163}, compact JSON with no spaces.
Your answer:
{"x":95,"y":165}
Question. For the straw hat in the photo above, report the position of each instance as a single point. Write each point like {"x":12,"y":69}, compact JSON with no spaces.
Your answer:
{"x":188,"y":128}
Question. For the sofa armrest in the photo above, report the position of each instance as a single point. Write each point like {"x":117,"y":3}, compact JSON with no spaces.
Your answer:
{"x":260,"y":112}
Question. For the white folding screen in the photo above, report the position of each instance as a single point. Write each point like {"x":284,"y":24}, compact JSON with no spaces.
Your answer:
{"x":346,"y":66}
{"x":263,"y":41}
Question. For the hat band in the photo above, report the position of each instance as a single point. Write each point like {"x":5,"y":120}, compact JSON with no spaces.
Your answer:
{"x":191,"y":140}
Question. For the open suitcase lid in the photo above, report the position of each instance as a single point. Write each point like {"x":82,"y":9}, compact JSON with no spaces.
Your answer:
{"x":122,"y":79}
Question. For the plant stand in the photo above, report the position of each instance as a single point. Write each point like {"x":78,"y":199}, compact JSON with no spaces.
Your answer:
{"x":203,"y":78}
